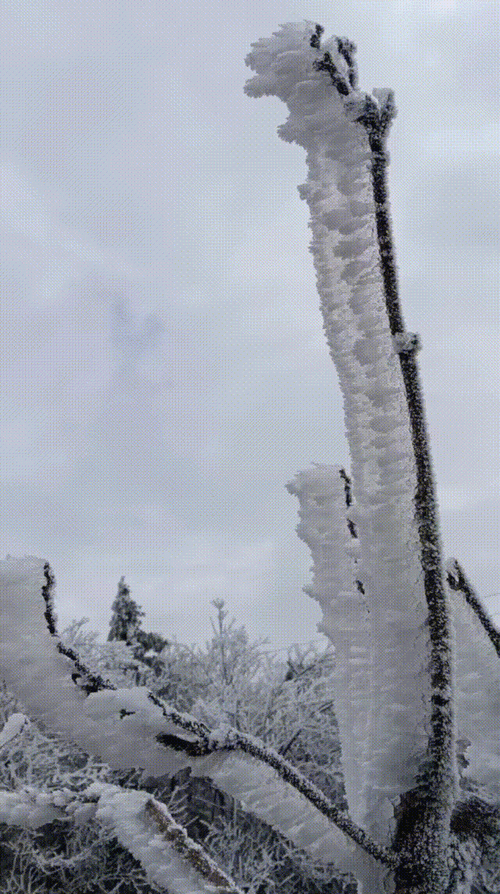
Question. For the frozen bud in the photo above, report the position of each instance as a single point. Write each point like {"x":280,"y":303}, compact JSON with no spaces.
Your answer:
{"x":406,"y":342}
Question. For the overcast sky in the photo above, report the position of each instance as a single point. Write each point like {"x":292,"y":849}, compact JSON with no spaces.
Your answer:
{"x":163,"y":367}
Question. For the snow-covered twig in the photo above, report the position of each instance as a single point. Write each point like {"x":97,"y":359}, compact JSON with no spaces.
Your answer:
{"x":187,"y":848}
{"x":169,"y":857}
{"x":234,"y":740}
{"x":458,"y":581}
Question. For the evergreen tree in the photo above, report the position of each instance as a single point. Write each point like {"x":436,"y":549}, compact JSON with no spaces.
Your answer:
{"x":125,"y":626}
{"x":126,"y":618}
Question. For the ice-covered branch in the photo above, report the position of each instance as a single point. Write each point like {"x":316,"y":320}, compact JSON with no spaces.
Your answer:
{"x":384,"y":706}
{"x":125,"y":727}
{"x":30,"y":808}
{"x":458,"y":581}
{"x":133,"y":728}
{"x":187,"y":848}
{"x":234,"y":740}
{"x":82,"y":676}
{"x":143,"y":825}
{"x":407,"y":714}
{"x":169,"y":857}
{"x":215,"y":746}
{"x":441,"y":770}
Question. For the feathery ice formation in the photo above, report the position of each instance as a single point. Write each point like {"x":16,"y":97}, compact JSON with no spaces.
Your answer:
{"x":387,"y":683}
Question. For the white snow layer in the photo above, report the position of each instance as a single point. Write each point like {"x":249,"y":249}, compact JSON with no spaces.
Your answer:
{"x":123,"y":812}
{"x":13,"y":726}
{"x":382,"y":649}
{"x":29,"y":808}
{"x":120,"y":725}
{"x":117,"y":725}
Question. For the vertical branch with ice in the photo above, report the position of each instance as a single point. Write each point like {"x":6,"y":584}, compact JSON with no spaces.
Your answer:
{"x":388,"y":639}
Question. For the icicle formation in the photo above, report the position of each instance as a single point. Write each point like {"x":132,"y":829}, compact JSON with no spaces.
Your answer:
{"x":387,"y":650}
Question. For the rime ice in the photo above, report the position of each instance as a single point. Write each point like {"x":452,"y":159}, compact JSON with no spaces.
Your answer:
{"x":367,"y":573}
{"x":382,"y":703}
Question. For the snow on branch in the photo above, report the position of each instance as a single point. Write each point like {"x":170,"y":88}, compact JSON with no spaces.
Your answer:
{"x":234,"y":740}
{"x":122,"y":726}
{"x":30,"y":808}
{"x":406,"y":342}
{"x":141,"y":824}
{"x":326,"y":508}
{"x":133,"y":728}
{"x":85,"y":679}
{"x":403,"y":650}
{"x":192,"y":853}
{"x":458,"y":581}
{"x":169,"y":857}
{"x":386,"y":700}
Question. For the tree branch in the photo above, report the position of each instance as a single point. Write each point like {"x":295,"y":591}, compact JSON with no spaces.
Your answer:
{"x":191,"y":852}
{"x":234,"y":740}
{"x":441,"y":768}
{"x":82,"y":677}
{"x":457,"y":580}
{"x":229,"y":739}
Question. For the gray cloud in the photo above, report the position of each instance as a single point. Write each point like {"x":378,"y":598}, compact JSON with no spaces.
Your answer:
{"x":161,"y":339}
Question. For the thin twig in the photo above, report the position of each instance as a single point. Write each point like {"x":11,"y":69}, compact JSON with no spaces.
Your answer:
{"x":233,"y":740}
{"x":189,"y":850}
{"x":458,"y":581}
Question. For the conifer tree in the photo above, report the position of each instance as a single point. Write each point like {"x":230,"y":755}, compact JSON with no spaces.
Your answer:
{"x":126,"y":618}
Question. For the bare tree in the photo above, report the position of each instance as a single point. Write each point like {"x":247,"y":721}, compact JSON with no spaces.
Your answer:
{"x":417,"y":698}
